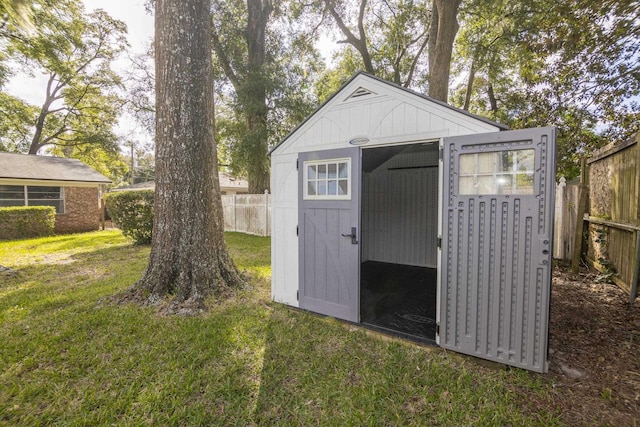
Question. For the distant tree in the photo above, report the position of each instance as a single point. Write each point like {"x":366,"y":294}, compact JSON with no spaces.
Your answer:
{"x":240,"y":49}
{"x":390,"y":37}
{"x":571,"y":64}
{"x":75,"y":51}
{"x":189,"y":259}
{"x":442,"y":33}
{"x":140,"y":84}
{"x":265,"y":61}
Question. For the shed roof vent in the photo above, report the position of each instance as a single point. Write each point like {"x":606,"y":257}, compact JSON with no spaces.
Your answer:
{"x":360,"y":92}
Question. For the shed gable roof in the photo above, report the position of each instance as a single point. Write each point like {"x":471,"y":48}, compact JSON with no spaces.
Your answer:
{"x":363,"y":85}
{"x":44,"y":168}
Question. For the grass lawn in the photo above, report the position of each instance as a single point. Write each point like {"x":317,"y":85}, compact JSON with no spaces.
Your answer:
{"x":66,"y":358}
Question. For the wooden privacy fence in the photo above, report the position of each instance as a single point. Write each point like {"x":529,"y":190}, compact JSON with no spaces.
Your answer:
{"x":614,"y":212}
{"x":247,"y":213}
{"x":609,"y":213}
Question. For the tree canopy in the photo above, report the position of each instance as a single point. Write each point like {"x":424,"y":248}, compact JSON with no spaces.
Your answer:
{"x":74,"y":52}
{"x":573,"y":64}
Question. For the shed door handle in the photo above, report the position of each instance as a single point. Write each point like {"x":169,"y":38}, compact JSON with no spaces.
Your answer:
{"x":353,"y":235}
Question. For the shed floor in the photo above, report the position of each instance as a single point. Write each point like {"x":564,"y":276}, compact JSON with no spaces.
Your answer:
{"x":399,"y":298}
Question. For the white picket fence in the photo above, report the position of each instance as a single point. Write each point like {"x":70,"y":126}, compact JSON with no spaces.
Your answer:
{"x":247,"y":213}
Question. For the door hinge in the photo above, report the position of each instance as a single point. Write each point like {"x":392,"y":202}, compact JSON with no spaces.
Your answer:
{"x":439,"y":243}
{"x":441,"y":153}
{"x":297,"y":164}
{"x":297,"y":230}
{"x":437,"y":328}
{"x":297,"y":295}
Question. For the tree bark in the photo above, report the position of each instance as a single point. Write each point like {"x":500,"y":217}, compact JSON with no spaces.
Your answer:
{"x":472,"y":76}
{"x":255,"y":95}
{"x":360,"y":43}
{"x":189,"y":258}
{"x":492,"y":99}
{"x":442,"y":34}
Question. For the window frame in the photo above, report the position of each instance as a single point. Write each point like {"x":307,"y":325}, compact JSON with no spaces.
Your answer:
{"x":496,"y":174}
{"x":337,"y":162}
{"x":34,"y":202}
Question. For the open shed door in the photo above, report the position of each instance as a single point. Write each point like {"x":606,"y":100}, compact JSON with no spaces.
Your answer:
{"x":329,"y":224}
{"x":497,"y":223}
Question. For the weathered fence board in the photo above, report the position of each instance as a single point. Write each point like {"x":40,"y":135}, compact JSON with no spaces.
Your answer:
{"x":566,"y":215}
{"x":614,"y":211}
{"x":247,"y":213}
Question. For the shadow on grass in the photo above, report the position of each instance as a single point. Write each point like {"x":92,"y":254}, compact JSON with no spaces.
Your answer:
{"x":319,"y":371}
{"x":79,"y":280}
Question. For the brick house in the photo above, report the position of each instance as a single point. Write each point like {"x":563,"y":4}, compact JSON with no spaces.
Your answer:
{"x":69,"y":185}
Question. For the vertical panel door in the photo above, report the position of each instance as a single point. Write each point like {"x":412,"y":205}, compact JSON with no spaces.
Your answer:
{"x":329,"y":232}
{"x":497,"y":225}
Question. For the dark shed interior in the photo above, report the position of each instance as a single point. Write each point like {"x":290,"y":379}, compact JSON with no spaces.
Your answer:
{"x":398,"y":278}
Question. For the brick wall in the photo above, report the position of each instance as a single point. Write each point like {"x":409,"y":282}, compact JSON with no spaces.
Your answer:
{"x":81,"y":210}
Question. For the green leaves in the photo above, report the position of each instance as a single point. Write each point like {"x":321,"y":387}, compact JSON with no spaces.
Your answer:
{"x":81,"y":105}
{"x":574,"y":65}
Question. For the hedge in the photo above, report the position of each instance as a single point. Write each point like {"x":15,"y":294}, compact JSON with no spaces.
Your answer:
{"x":132,"y":212}
{"x":19,"y":222}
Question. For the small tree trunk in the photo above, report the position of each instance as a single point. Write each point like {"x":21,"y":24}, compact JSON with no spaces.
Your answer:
{"x":442,"y":34}
{"x":472,"y":76}
{"x":189,"y":258}
{"x":492,"y":100}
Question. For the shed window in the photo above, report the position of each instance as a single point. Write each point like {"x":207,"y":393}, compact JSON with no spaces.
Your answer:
{"x":29,"y":195}
{"x":328,"y":179}
{"x":498,"y":172}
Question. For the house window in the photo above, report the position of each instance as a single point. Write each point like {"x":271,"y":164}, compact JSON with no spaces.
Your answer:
{"x":28,"y":195}
{"x":498,"y":172}
{"x":327,"y":179}
{"x":12,"y":195}
{"x":46,"y":196}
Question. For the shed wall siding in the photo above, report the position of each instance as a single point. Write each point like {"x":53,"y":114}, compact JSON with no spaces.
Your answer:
{"x":400,"y":211}
{"x":284,"y":217}
{"x":81,"y":210}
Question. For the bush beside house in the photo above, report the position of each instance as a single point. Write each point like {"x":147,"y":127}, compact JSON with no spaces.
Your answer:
{"x":132,"y":212}
{"x":27,"y":221}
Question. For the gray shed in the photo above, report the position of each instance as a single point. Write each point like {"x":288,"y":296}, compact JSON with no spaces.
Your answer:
{"x":404,"y":214}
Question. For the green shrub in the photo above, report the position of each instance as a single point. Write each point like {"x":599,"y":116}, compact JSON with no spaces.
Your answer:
{"x":19,"y":222}
{"x":132,"y":212}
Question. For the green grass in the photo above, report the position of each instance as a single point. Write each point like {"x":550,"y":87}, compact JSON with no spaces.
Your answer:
{"x":67,"y":358}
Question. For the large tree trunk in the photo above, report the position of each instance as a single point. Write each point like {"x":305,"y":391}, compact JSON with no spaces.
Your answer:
{"x":189,"y":258}
{"x":255,"y":94}
{"x":442,"y":34}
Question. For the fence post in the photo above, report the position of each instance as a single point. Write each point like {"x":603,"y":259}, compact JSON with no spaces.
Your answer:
{"x":559,"y":232}
{"x":103,"y":207}
{"x":235,"y":219}
{"x":582,"y":208}
{"x":265,"y":199}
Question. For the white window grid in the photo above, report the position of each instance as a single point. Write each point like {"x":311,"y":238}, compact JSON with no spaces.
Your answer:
{"x":327,"y":179}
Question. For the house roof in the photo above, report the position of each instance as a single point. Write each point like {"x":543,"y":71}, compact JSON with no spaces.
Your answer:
{"x":44,"y":168}
{"x":227,"y":181}
{"x":395,"y":86}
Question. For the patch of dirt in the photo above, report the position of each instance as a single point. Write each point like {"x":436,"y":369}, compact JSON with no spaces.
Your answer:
{"x":594,"y":360}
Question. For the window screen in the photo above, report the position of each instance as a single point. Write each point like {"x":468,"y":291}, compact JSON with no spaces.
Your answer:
{"x":328,"y":180}
{"x":46,"y":196}
{"x":12,"y":195}
{"x":21,"y":195}
{"x":498,"y":172}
